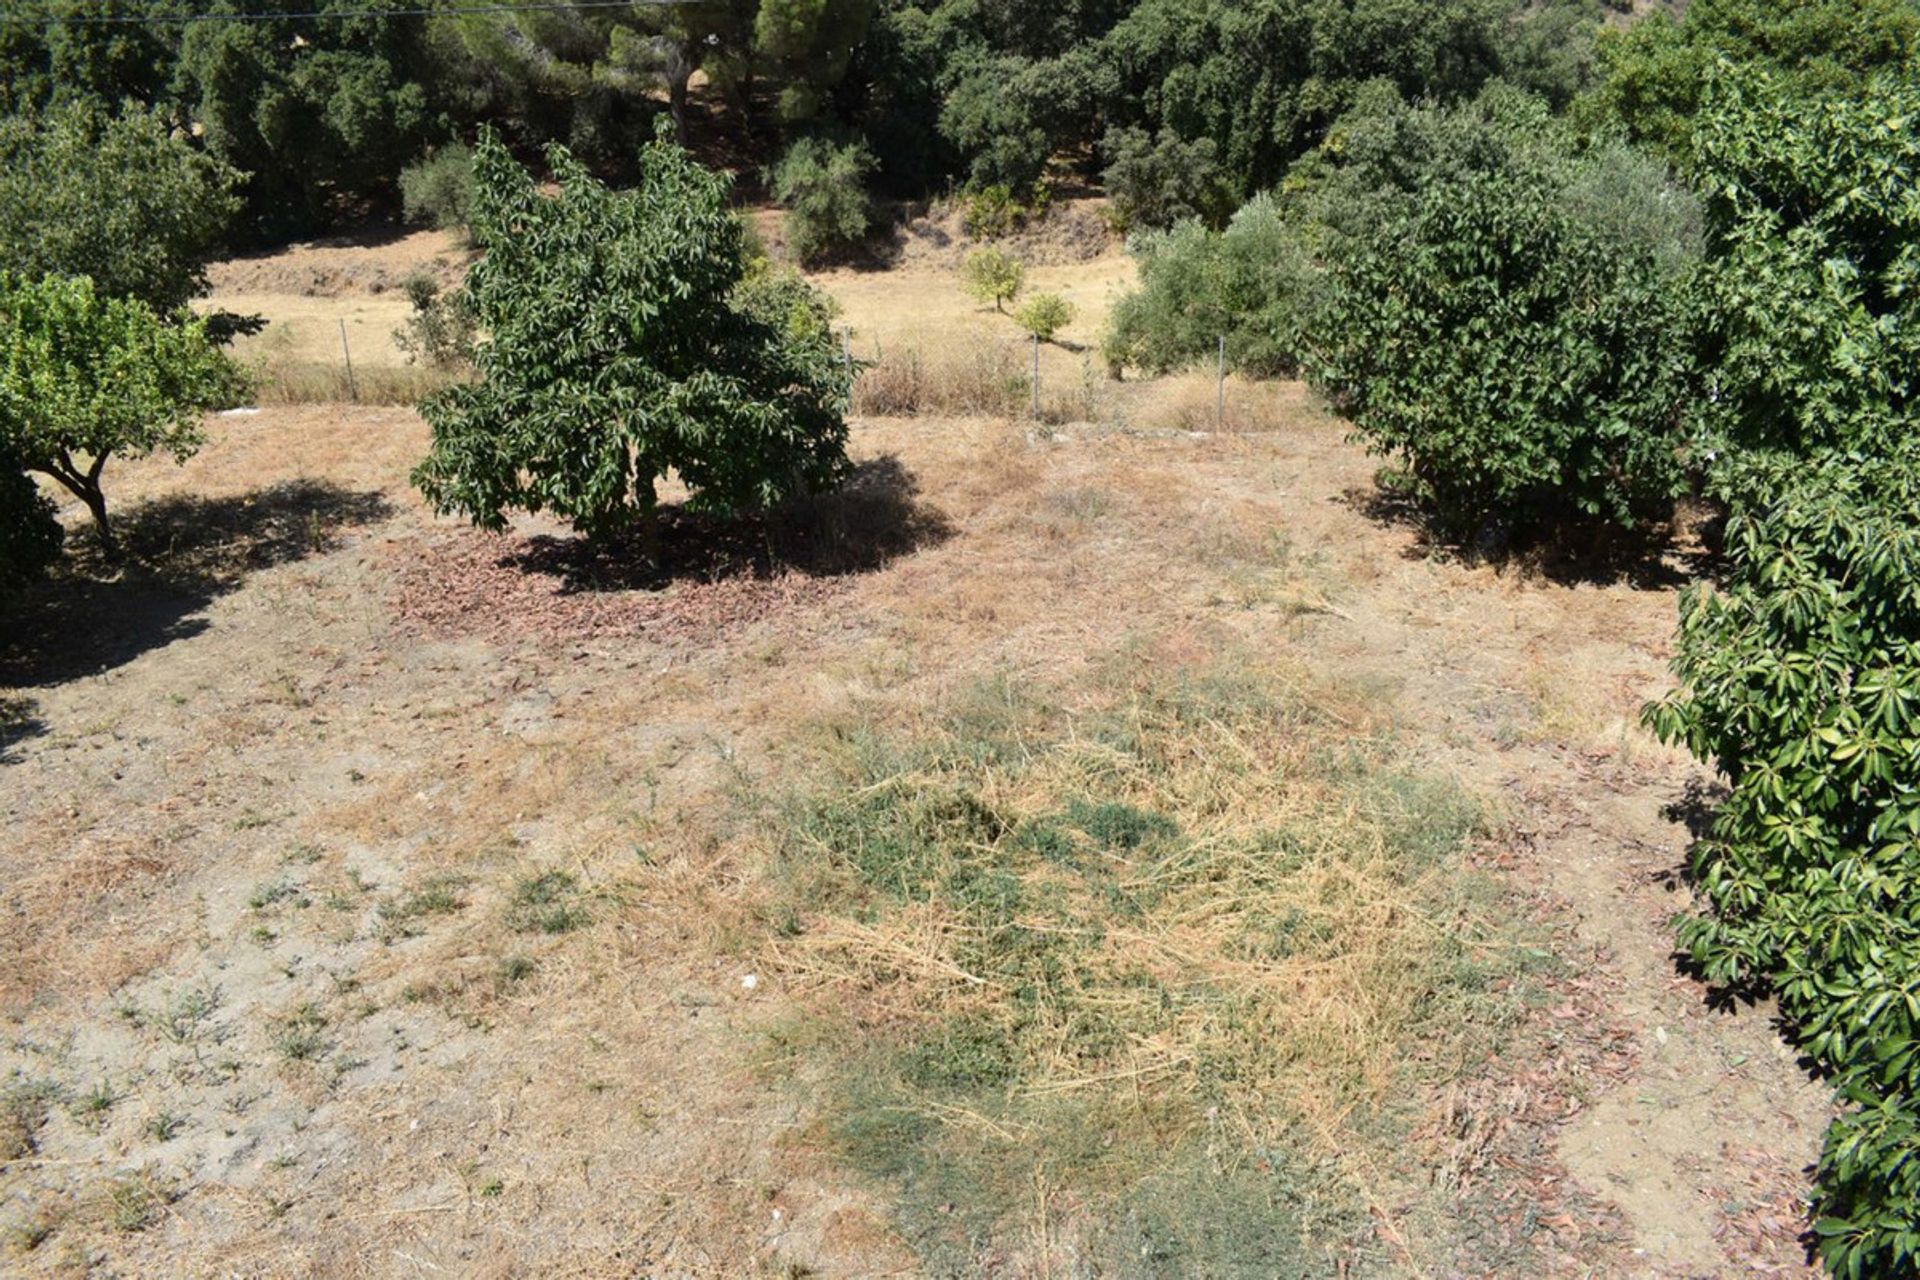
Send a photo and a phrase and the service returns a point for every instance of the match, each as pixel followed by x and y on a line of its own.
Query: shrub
pixel 1045 314
pixel 1255 284
pixel 616 350
pixel 993 275
pixel 438 189
pixel 86 378
pixel 1802 681
pixel 1156 182
pixel 1812 291
pixel 823 189
pixel 30 536
pixel 1523 367
pixel 440 332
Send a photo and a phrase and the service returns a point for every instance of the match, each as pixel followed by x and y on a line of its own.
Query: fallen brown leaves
pixel 473 584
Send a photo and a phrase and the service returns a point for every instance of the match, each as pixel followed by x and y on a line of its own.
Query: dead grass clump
pixel 986 379
pixel 305 382
pixel 1208 927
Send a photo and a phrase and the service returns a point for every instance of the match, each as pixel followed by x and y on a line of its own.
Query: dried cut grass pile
pixel 1190 951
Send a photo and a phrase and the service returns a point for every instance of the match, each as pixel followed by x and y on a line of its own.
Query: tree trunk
pixel 677 99
pixel 85 485
pixel 649 523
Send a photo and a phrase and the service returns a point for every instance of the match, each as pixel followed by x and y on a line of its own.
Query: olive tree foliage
pixel 822 186
pixel 85 378
pixel 124 198
pixel 623 342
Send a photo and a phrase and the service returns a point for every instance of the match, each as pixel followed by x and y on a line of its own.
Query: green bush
pixel 823 189
pixel 617 349
pixel 123 199
pixel 1802 681
pixel 1044 314
pixel 1256 284
pixel 30 536
pixel 1812 290
pixel 1523 366
pixel 438 189
pixel 1156 182
pixel 441 330
pixel 993 275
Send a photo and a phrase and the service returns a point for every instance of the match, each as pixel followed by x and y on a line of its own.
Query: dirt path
pixel 338 948
pixel 1532 690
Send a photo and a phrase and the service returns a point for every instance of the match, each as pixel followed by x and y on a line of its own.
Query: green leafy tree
pixel 620 347
pixel 1525 369
pixel 810 44
pixel 1156 183
pixel 1801 681
pixel 1655 74
pixel 438 189
pixel 1812 291
pixel 322 114
pixel 85 378
pixel 1044 315
pixel 121 198
pixel 823 189
pixel 993 275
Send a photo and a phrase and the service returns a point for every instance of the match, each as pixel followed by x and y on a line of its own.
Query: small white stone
pixel 750 981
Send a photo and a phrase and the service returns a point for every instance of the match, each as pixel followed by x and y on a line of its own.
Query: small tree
pixel 1045 314
pixel 993 275
pixel 438 189
pixel 85 378
pixel 823 189
pixel 619 348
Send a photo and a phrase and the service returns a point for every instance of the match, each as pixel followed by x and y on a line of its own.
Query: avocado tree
pixel 621 345
pixel 85 377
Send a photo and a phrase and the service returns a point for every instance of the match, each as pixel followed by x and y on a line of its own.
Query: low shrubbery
pixel 993 275
pixel 1524 369
pixel 1044 314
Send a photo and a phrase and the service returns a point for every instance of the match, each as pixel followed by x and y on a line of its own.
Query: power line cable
pixel 418 11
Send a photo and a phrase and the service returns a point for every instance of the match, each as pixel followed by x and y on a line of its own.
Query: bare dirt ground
pixel 377 902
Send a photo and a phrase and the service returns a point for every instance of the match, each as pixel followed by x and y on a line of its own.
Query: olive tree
pixel 85 377
pixel 621 345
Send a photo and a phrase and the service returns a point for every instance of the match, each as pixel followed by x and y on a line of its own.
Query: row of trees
pixel 1702 275
pixel 1185 106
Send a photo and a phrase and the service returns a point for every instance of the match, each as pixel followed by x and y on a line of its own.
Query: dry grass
pixel 1205 911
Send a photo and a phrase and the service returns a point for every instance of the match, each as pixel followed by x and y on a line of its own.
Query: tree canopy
pixel 625 341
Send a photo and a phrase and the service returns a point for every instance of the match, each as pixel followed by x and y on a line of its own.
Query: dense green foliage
pixel 1657 74
pixel 119 198
pixel 1044 315
pixel 1802 681
pixel 1812 292
pixel 30 536
pixel 438 189
pixel 85 378
pixel 1523 365
pixel 823 189
pixel 619 347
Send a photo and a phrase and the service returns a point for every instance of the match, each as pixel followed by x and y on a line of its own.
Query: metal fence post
pixel 1036 376
pixel 1220 389
pixel 353 388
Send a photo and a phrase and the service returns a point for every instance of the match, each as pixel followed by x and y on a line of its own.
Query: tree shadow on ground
pixel 873 519
pixel 1659 555
pixel 179 555
pixel 19 720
